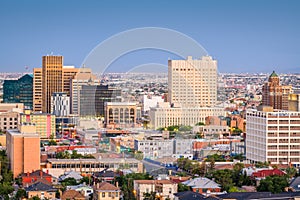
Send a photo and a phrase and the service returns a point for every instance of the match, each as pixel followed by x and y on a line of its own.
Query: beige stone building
pixel 164 189
pixel 122 114
pixel 193 82
pixel 294 102
pixel 163 115
pixel 9 120
pixel 23 149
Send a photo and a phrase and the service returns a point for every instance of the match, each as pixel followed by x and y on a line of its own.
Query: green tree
pixel 224 178
pixel 291 172
pixel 69 181
pixel 274 184
pixel 200 124
pixel 21 193
pixel 182 187
pixel 87 180
pixel 126 183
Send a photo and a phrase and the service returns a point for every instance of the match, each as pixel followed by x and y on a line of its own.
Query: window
pixel 103 194
pixel 109 194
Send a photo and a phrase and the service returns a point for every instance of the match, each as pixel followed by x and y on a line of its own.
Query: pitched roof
pixel 295 184
pixel 258 195
pixel 189 195
pixel 39 186
pixel 106 173
pixel 154 182
pixel 273 74
pixel 104 186
pixel 71 174
pixel 267 172
pixel 36 173
pixel 201 182
pixel 72 194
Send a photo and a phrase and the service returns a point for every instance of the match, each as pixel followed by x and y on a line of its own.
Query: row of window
pixel 95 165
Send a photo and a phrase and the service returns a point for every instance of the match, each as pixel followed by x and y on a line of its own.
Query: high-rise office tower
pixel 274 94
pixel 83 77
pixel 193 83
pixel 53 77
pixel 37 89
pixel 93 98
pixel 19 91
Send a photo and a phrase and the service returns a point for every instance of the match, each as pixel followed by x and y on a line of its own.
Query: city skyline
pixel 247 36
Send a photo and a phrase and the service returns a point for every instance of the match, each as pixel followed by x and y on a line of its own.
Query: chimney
pixel 117 184
pixel 41 174
pixel 27 174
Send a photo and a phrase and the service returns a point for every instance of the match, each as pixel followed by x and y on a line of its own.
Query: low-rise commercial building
pixel 164 115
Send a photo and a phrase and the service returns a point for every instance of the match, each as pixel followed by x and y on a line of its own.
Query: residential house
pixel 165 189
pixel 203 185
pixel 84 189
pixel 106 175
pixel 72 195
pixel 262 174
pixel 30 178
pixel 41 190
pixel 106 191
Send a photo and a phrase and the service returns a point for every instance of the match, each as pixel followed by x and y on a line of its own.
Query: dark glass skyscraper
pixel 92 99
pixel 19 91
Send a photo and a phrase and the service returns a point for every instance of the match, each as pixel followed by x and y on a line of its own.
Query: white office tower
pixel 273 136
pixel 192 94
pixel 193 83
pixel 60 104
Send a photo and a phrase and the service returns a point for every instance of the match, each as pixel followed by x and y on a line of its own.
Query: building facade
pixel 273 136
pixel 294 102
pixel 37 89
pixel 193 83
pixel 23 149
pixel 123 114
pixel 60 104
pixel 19 91
pixel 94 97
pixel 57 167
pixel 275 94
pixel 45 123
pixel 83 77
pixel 153 149
pixel 9 120
pixel 163 115
pixel 164 189
pixel 52 77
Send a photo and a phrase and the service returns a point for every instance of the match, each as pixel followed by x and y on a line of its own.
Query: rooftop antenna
pixel 83 66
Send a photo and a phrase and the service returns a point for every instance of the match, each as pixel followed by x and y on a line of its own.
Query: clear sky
pixel 243 35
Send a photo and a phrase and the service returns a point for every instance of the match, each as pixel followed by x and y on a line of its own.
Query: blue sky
pixel 244 36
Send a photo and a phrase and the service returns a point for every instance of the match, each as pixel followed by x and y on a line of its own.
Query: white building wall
pixel 273 136
pixel 60 104
pixel 168 116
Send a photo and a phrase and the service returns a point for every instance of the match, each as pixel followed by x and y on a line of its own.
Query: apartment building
pixel 273 136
